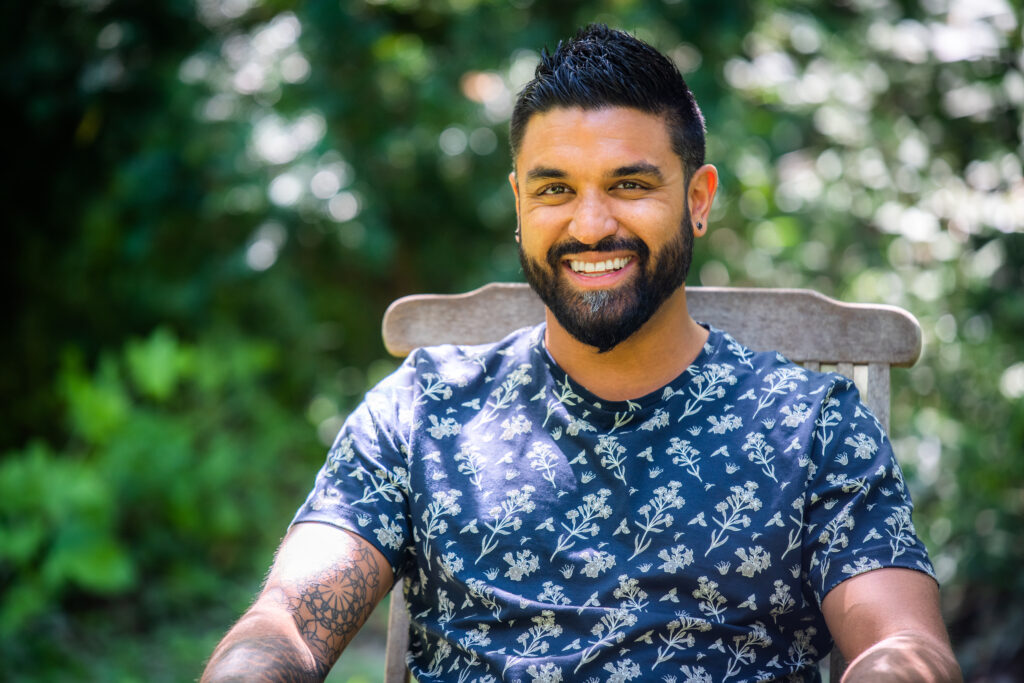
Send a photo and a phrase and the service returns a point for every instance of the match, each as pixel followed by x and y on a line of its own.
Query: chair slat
pixel 878 394
pixel 395 670
pixel 777 319
pixel 846 370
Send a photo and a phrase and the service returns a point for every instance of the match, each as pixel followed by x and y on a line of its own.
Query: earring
pixel 700 226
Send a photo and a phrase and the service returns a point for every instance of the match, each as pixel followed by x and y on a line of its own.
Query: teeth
pixel 600 267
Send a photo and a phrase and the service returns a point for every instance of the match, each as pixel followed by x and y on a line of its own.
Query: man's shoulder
pixel 461 362
pixel 764 366
pixel 451 377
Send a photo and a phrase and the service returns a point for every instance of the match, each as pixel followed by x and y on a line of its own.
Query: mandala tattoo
pixel 331 608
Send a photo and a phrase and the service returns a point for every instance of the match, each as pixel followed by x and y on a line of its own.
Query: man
pixel 621 493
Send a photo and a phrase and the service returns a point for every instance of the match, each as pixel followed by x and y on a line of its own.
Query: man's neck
pixel 649 359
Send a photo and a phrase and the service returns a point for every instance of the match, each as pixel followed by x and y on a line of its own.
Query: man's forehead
pixel 619 137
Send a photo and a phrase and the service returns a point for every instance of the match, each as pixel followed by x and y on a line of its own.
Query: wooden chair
pixel 859 341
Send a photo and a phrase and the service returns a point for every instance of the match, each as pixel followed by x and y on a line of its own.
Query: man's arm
pixel 887 624
pixel 322 587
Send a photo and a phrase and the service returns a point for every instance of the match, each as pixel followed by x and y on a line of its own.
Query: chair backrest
pixel 860 341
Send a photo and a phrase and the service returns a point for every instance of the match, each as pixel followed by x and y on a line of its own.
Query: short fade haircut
pixel 603 67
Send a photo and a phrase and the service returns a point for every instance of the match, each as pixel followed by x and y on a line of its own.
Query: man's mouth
pixel 595 268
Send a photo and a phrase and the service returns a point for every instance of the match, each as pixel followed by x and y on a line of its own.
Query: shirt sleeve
pixel 858 514
pixel 363 487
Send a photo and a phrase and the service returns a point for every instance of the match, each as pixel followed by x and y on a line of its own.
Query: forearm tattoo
pixel 263 660
pixel 331 607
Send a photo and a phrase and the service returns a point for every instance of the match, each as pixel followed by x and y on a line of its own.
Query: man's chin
pixel 604 306
pixel 599 318
pixel 602 338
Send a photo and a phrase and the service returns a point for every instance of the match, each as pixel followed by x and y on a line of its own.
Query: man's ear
pixel 701 194
pixel 515 192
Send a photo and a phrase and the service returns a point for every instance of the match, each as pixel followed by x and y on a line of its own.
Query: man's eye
pixel 553 189
pixel 629 185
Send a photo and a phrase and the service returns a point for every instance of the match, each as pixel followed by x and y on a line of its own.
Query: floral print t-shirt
pixel 545 534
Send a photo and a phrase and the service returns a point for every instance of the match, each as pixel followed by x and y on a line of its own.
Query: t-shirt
pixel 548 535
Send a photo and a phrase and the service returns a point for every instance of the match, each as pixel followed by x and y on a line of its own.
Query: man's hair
pixel 602 67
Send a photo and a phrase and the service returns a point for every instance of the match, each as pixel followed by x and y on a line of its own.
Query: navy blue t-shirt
pixel 548 535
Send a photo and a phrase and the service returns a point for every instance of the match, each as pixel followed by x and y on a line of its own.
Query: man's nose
pixel 592 220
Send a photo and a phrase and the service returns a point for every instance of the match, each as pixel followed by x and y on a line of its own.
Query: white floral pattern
pixel 547 535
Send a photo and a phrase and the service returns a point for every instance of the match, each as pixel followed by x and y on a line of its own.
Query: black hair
pixel 603 67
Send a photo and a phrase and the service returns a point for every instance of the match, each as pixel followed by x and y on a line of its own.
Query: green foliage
pixel 58 533
pixel 212 203
pixel 181 470
pixel 891 203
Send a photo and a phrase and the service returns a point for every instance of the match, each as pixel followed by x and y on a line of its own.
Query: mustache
pixel 611 243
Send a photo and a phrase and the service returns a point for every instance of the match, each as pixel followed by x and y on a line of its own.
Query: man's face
pixel 605 234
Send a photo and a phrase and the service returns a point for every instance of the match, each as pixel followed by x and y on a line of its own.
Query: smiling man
pixel 606 238
pixel 620 493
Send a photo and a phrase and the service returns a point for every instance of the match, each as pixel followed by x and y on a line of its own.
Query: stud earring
pixel 700 226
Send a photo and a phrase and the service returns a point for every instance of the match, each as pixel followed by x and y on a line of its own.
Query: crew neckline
pixel 592 404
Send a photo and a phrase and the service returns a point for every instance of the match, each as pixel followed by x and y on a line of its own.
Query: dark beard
pixel 605 318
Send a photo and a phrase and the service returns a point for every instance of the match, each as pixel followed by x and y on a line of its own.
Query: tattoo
pixel 323 598
pixel 262 660
pixel 333 606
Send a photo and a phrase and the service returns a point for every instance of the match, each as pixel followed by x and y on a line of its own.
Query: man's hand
pixel 887 624
pixel 322 587
pixel 904 658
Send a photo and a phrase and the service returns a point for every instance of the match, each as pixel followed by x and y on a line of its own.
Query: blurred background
pixel 209 204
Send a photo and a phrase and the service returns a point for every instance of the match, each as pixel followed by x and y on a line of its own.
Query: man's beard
pixel 607 317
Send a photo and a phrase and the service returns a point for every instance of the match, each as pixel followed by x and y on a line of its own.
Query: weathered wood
pixel 836 665
pixel 846 370
pixel 477 317
pixel 395 670
pixel 877 396
pixel 859 341
pixel 776 319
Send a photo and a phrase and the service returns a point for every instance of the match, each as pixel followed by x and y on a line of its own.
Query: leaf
pixel 97 405
pixel 155 363
pixel 93 562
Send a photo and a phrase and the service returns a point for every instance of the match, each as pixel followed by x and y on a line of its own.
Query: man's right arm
pixel 324 583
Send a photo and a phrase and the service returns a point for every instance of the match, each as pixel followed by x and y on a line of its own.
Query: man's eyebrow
pixel 639 168
pixel 545 173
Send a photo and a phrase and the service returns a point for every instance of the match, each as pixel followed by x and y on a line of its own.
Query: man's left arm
pixel 887 624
